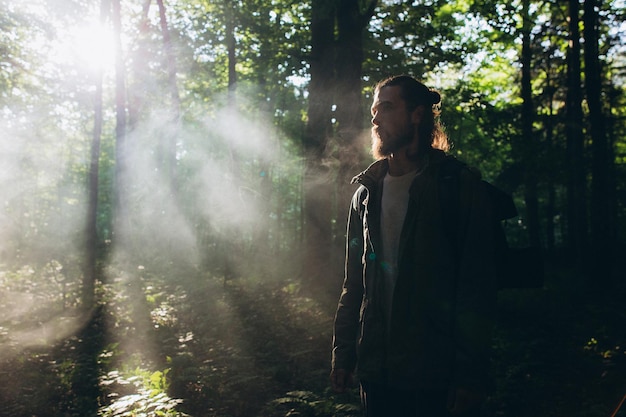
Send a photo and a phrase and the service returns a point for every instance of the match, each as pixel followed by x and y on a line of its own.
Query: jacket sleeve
pixel 475 287
pixel 346 325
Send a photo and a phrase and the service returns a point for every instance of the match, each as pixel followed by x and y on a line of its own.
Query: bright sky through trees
pixel 89 44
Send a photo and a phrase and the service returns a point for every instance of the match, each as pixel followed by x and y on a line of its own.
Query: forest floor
pixel 245 349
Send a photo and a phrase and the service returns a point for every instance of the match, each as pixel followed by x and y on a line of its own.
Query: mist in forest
pixel 215 187
pixel 197 220
pixel 200 225
pixel 229 205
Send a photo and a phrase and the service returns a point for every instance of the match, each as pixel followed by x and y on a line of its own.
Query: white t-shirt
pixel 395 200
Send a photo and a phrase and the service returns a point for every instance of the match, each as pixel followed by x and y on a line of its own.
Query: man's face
pixel 392 125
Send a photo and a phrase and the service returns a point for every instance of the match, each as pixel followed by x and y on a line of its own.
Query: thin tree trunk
pixel 575 143
pixel 231 44
pixel 614 94
pixel 120 126
pixel 91 229
pixel 529 146
pixel 136 92
pixel 84 379
pixel 551 178
pixel 90 273
pixel 232 243
pixel 601 194
pixel 171 138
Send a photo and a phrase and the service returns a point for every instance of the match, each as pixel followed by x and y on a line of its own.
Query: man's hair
pixel 414 94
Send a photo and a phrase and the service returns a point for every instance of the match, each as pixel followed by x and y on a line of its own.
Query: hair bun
pixel 435 97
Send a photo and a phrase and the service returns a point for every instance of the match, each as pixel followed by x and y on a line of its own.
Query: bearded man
pixel 415 314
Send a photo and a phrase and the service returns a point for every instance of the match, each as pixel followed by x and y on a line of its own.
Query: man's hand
pixel 463 399
pixel 340 380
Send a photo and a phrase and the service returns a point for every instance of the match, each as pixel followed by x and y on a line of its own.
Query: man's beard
pixel 384 148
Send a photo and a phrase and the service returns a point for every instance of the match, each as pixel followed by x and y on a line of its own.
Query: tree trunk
pixel 551 177
pixel 231 241
pixel 319 127
pixel 84 379
pixel 614 93
pixel 601 194
pixel 136 91
pixel 575 143
pixel 91 229
pixel 231 43
pixel 171 138
pixel 90 272
pixel 121 188
pixel 529 146
pixel 351 25
pixel 318 186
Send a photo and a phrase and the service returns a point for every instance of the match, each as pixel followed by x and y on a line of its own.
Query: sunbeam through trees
pixel 175 180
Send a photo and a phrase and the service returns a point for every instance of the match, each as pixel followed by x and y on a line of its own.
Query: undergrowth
pixel 203 346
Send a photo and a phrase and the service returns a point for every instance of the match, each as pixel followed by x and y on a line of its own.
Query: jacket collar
pixel 374 173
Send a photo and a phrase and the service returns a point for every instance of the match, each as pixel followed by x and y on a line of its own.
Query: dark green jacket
pixel 443 304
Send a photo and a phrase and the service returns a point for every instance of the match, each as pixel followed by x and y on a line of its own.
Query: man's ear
pixel 416 115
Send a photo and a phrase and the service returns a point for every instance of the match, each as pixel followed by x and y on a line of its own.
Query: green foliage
pixel 543 352
pixel 310 404
pixel 37 297
pixel 415 39
pixel 149 399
